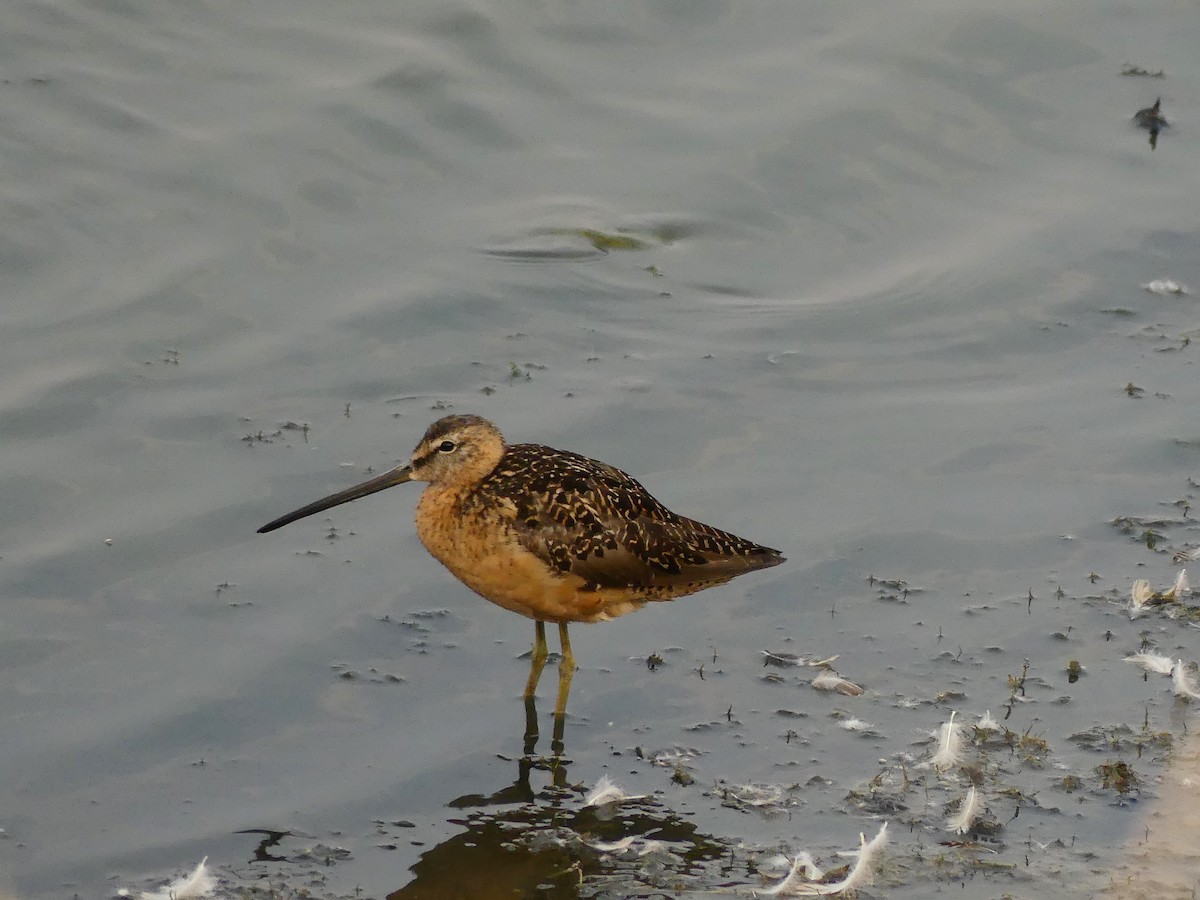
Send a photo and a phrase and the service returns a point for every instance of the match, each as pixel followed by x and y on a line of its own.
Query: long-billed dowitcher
pixel 550 534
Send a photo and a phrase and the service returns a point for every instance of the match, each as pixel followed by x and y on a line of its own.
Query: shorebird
pixel 550 534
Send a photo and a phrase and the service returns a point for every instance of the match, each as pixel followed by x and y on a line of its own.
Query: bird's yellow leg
pixel 531 730
pixel 566 670
pixel 538 659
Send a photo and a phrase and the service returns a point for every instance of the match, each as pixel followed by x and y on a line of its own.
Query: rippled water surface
pixel 858 280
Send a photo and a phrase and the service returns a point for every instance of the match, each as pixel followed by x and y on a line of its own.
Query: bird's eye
pixel 447 446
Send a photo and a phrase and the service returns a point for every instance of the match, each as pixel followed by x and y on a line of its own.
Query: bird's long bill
pixel 395 476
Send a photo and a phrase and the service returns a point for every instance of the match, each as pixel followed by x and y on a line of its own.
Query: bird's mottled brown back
pixel 586 518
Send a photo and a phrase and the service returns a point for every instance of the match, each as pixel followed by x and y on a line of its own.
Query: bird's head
pixel 454 450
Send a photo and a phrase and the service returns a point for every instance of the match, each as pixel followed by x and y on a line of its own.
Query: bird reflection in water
pixel 549 850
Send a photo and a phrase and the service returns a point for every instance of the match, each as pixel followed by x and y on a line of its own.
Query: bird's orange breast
pixel 479 547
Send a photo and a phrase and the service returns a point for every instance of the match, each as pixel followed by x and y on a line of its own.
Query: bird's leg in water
pixel 538 659
pixel 531 728
pixel 566 670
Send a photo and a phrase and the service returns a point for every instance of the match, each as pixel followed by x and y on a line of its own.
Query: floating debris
pixel 604 241
pixel 774 866
pixel 1151 118
pixel 675 758
pixel 1186 554
pixel 1151 662
pixel 787 660
pixel 669 757
pixel 829 680
pixel 1074 671
pixel 1166 286
pixel 635 845
pixel 1117 775
pixel 1141 593
pixel 761 797
pixel 1182 683
pixel 607 793
pixel 1131 71
pixel 614 846
pixel 862 875
pixel 198 884
pixel 780 660
pixel 682 776
pixel 950 746
pixel 1179 589
pixel 803 868
pixel 968 812
pixel 987 732
pixel 858 725
pixel 1140 596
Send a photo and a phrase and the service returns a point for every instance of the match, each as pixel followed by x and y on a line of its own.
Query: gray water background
pixel 885 309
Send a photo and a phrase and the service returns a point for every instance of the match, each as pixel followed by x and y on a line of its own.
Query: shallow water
pixel 855 281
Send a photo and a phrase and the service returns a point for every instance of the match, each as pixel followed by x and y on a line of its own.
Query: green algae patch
pixel 606 241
